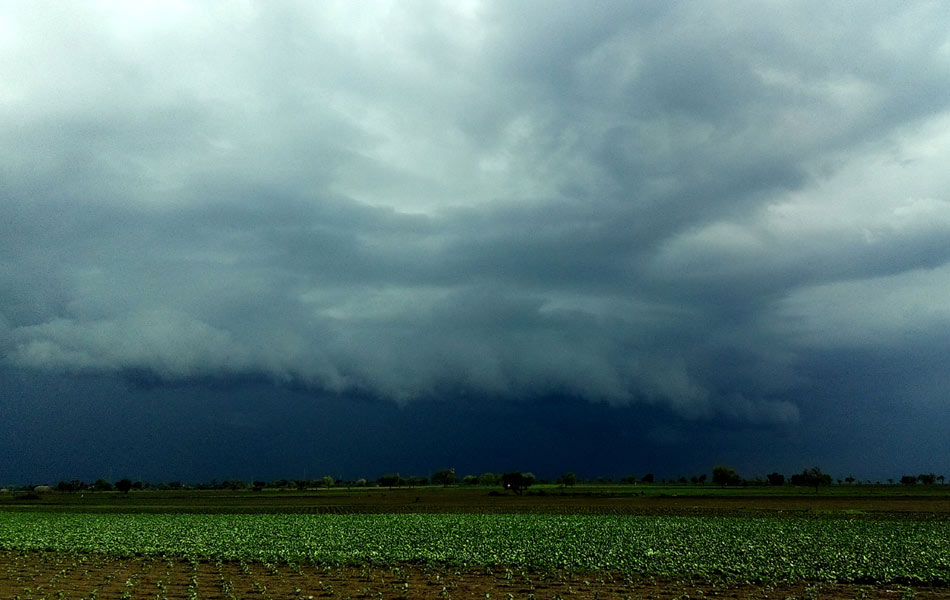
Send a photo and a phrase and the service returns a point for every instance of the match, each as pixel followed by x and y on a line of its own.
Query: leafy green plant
pixel 734 548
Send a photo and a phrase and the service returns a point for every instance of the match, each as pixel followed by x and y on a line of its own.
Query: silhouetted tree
pixel 445 477
pixel 648 478
pixel 908 479
pixel 517 481
pixel 567 479
pixel 123 485
pixel 927 478
pixel 723 476
pixel 776 479
pixel 489 478
pixel 812 477
pixel 390 480
pixel 101 485
pixel 71 486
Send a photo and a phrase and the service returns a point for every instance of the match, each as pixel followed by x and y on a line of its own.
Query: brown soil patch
pixel 36 576
pixel 872 502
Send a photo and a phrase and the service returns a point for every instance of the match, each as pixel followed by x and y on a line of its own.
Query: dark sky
pixel 286 239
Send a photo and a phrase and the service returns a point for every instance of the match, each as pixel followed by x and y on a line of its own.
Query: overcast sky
pixel 693 232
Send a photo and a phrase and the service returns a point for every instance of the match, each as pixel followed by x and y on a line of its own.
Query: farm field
pixel 465 543
pixel 52 575
pixel 615 552
pixel 922 501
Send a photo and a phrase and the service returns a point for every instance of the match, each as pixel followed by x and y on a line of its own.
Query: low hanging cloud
pixel 625 203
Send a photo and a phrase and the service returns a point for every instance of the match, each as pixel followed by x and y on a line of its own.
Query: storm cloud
pixel 699 208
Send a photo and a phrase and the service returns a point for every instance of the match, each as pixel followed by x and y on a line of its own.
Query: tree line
pixel 516 481
pixel 813 477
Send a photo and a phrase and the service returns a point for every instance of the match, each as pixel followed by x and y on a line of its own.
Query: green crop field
pixel 748 549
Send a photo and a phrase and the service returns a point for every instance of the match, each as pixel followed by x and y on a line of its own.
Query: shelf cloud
pixel 677 206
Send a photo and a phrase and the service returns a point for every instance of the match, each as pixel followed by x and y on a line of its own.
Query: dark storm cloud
pixel 668 205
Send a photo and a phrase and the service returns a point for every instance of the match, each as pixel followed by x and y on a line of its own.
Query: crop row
pixel 757 549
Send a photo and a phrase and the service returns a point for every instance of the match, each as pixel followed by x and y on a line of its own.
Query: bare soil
pixel 873 503
pixel 48 576
pixel 37 576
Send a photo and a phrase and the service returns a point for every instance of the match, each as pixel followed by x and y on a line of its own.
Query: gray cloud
pixel 633 203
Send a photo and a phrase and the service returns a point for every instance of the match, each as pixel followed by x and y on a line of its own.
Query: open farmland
pixel 214 555
pixel 67 576
pixel 604 542
pixel 878 501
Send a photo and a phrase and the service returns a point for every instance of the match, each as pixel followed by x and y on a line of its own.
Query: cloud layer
pixel 675 204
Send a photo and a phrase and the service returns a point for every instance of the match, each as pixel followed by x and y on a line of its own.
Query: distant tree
pixel 139 485
pixel 775 479
pixel 812 477
pixel 123 485
pixel 327 481
pixel 568 479
pixel 470 480
pixel 927 478
pixel 648 478
pixel 908 479
pixel 361 482
pixel 71 486
pixel 723 476
pixel 416 481
pixel 940 478
pixel 849 479
pixel 489 478
pixel 445 477
pixel 101 485
pixel 517 481
pixel 258 485
pixel 390 480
